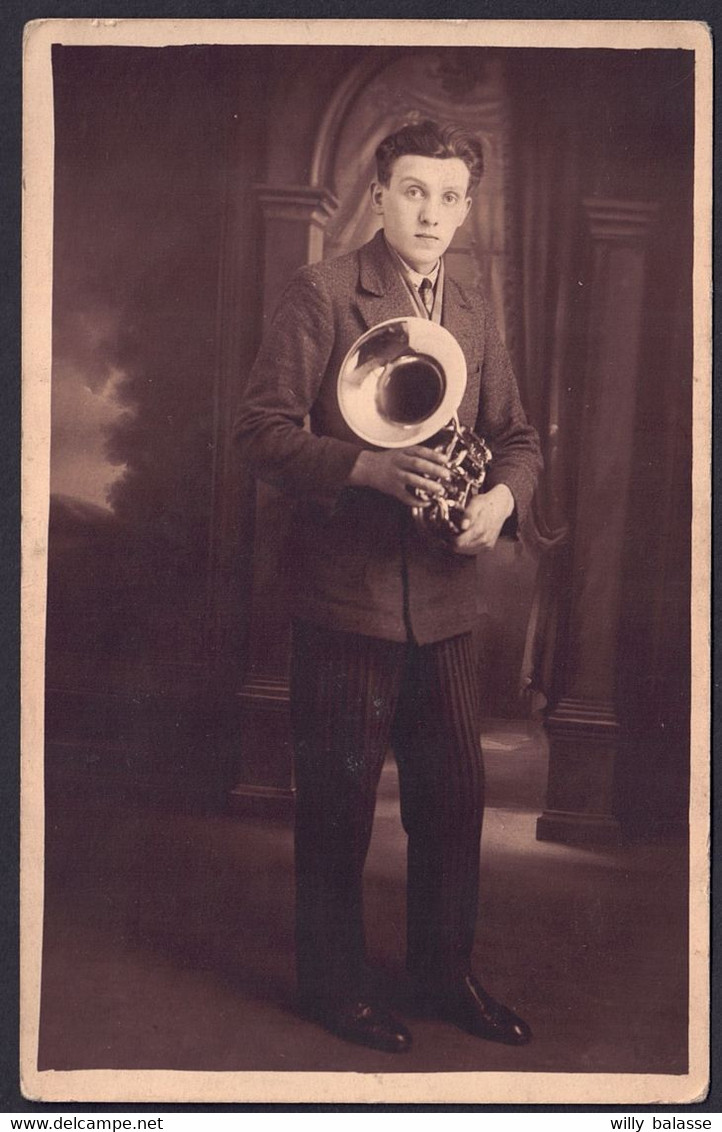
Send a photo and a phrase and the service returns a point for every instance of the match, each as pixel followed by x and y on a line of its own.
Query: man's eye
pixel 413 191
pixel 450 198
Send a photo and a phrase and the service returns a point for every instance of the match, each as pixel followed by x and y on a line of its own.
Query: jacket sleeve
pixel 516 456
pixel 282 387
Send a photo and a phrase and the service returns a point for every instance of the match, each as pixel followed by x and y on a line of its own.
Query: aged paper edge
pixel 150 1087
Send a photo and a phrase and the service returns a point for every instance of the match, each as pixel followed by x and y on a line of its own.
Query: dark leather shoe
pixel 363 1023
pixel 468 1006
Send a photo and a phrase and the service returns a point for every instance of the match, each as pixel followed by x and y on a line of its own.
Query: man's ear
pixel 467 202
pixel 377 197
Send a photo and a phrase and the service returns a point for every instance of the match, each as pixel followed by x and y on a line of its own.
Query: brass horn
pixel 400 384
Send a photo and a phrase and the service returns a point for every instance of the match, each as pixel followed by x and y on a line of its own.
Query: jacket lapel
pixel 381 293
pixel 460 319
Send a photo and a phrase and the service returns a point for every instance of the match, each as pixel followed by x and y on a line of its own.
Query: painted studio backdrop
pixel 190 183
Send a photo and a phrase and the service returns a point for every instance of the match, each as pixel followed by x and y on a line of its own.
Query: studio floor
pixel 168 941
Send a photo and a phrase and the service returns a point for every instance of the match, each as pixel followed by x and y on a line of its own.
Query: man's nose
pixel 430 211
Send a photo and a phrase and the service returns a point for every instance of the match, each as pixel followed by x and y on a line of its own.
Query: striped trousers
pixel 352 697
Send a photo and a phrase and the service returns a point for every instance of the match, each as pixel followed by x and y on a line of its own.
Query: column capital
pixel 620 221
pixel 297 202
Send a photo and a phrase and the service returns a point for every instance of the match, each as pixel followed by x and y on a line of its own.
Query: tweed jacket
pixel 355 559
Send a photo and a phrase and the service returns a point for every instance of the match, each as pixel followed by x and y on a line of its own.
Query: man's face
pixel 424 203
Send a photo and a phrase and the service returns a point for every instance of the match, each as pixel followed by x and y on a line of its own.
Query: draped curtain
pixel 548 321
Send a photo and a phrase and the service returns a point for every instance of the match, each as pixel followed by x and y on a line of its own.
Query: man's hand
pixel 396 470
pixel 484 518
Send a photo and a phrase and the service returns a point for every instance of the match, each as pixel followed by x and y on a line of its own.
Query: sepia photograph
pixel 366 478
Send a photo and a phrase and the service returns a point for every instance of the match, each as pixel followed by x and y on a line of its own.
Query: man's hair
pixel 429 139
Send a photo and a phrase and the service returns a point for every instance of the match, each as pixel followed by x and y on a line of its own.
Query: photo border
pixel 152 1086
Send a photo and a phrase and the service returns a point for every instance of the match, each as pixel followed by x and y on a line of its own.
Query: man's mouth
pixel 425 236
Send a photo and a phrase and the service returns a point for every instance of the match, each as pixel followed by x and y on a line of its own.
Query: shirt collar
pixel 415 277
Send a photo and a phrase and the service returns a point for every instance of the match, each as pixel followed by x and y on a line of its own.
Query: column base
pixel 267 802
pixel 578 829
pixel 264 751
pixel 583 749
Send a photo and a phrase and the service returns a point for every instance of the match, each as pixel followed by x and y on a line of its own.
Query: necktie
pixel 426 290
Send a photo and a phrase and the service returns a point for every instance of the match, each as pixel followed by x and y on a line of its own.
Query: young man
pixel 383 652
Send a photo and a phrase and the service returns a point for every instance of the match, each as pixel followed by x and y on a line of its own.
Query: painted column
pixel 294 221
pixel 583 729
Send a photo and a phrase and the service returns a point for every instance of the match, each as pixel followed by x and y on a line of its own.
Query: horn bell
pixel 401 382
